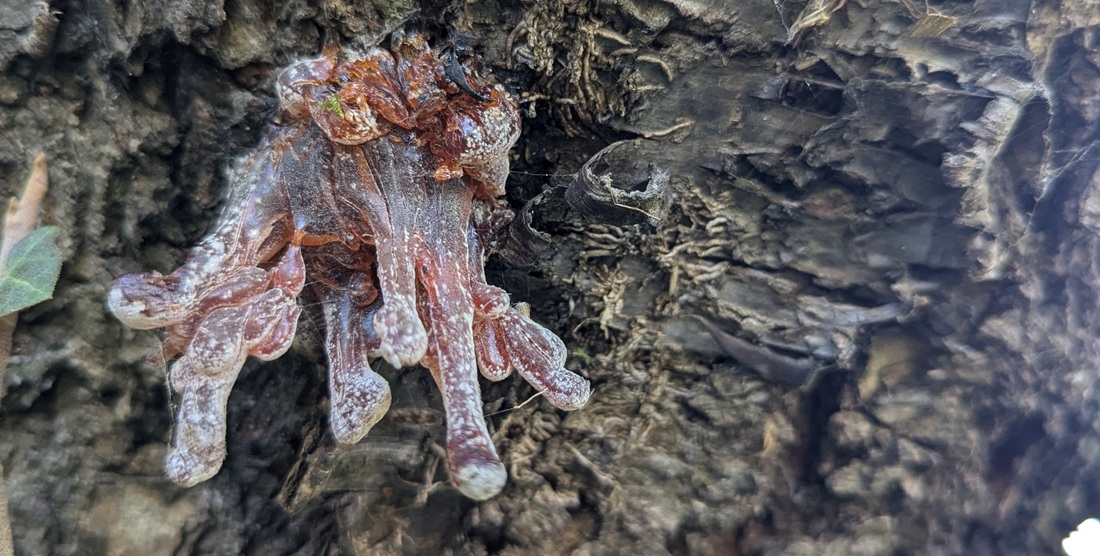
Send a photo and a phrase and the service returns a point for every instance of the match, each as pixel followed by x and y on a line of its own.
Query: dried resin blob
pixel 376 189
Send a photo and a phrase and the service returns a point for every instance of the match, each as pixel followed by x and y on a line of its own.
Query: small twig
pixel 22 213
pixel 680 124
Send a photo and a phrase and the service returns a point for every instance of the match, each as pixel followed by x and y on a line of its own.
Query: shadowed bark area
pixel 830 267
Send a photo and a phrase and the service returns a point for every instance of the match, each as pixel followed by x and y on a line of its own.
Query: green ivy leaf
pixel 31 271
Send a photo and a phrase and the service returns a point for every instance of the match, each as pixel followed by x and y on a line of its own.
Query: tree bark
pixel 830 267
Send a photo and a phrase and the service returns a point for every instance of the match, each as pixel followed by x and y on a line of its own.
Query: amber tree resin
pixel 375 189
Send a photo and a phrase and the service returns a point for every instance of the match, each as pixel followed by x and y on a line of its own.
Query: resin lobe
pixel 373 189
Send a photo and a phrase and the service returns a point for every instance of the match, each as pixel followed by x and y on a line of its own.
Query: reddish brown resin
pixel 375 189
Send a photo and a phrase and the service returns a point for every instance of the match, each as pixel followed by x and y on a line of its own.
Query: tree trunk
pixel 830 267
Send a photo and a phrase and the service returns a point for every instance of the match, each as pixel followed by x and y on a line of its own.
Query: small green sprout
pixel 332 104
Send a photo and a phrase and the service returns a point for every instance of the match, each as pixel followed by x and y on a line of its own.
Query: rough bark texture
pixel 836 290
